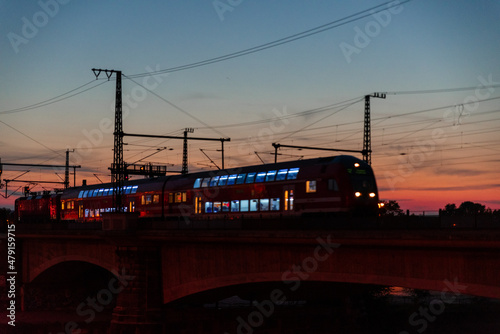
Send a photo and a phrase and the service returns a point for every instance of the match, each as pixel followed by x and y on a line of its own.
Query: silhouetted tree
pixel 450 209
pixel 471 209
pixel 391 208
pixel 467 208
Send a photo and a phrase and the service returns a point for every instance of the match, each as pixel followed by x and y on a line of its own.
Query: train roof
pixel 149 182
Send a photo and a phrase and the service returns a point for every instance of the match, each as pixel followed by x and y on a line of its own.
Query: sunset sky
pixel 435 138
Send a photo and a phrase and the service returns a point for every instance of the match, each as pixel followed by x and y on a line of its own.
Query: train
pixel 329 186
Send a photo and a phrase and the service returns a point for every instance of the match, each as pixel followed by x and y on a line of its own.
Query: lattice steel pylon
pixel 118 166
pixel 367 141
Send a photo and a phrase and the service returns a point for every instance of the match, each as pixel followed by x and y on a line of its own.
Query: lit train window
pixel 156 199
pixel 275 204
pixel 217 207
pixel 148 199
pixel 260 177
pixel 184 197
pixel 311 186
pixel 206 182
pixel 254 205
pixel 85 193
pixel 292 173
pixel 222 180
pixel 80 194
pixel 100 192
pixel 235 206
pixel 134 190
pixel 270 175
pixel 225 206
pixel 250 178
pixel 232 179
pixel 105 192
pixel 264 204
pixel 197 183
pixel 208 207
pixel 214 181
pixel 244 205
pixel 240 179
pixel 127 190
pixel 178 197
pixel 281 174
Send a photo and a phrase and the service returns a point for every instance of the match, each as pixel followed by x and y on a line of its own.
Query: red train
pixel 320 186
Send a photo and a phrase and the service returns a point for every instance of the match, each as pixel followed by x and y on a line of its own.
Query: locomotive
pixel 330 186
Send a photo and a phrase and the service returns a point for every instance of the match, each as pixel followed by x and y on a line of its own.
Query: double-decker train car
pixel 322 186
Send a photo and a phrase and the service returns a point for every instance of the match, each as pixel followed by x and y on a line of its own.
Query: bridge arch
pixel 38 270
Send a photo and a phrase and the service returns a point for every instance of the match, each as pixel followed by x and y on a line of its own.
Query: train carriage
pixel 321 186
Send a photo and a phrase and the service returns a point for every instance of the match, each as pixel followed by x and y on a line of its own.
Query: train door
pixel 131 205
pixel 288 198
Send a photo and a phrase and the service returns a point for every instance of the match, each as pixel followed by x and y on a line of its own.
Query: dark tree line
pixel 468 208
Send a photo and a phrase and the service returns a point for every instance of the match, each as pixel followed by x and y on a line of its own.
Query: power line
pixel 53 100
pixel 328 26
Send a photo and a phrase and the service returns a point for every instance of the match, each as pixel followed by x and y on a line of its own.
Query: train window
pixel 235 206
pixel 206 182
pixel 292 173
pixel 184 197
pixel 264 204
pixel 240 179
pixel 254 205
pixel 178 197
pixel 214 181
pixel 311 186
pixel 260 177
pixel 208 207
pixel 250 178
pixel 170 197
pixel 222 180
pixel 281 174
pixel 225 206
pixel 332 185
pixel 197 204
pixel 217 207
pixel 101 191
pixel 156 199
pixel 127 191
pixel 244 205
pixel 291 199
pixel 105 192
pixel 148 199
pixel 62 205
pixel 110 192
pixel 197 183
pixel 231 179
pixel 80 194
pixel 134 190
pixel 275 204
pixel 85 193
pixel 270 175
pixel 86 213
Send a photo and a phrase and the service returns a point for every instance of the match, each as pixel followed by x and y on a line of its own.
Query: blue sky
pixel 422 45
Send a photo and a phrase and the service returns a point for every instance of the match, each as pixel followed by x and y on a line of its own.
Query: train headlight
pixel 357 194
pixel 356 164
pixel 372 195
